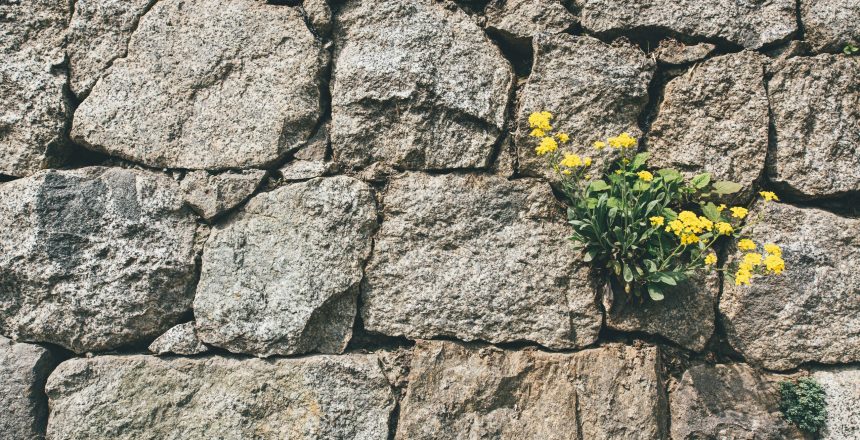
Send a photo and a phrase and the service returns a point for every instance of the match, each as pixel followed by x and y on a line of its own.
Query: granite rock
pixel 24 368
pixel 181 339
pixel 842 389
pixel 517 21
pixel 829 25
pixel 211 195
pixel 672 52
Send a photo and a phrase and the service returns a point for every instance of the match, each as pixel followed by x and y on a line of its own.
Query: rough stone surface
pixel 181 339
pixel 519 20
pixel 830 24
pixel 94 258
pixel 416 84
pixel 811 311
pixel 594 90
pixel 674 53
pixel 204 86
pixel 714 119
pixel 319 15
pixel 211 195
pixel 728 401
pixel 816 115
pixel 842 387
pixel 686 316
pixel 145 397
pixel 750 24
pixel 477 258
pixel 34 112
pixel 474 391
pixel 24 368
pixel 311 161
pixel 282 276
pixel 98 34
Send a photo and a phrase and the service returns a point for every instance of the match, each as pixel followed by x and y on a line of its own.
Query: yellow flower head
pixel 587 161
pixel 743 276
pixel 768 196
pixel 746 245
pixel 600 145
pixel 657 220
pixel 711 259
pixel 645 176
pixel 689 239
pixel 623 140
pixel 547 145
pixel 540 120
pixel 752 259
pixel 773 249
pixel 721 207
pixel 724 228
pixel 676 226
pixel 571 161
pixel 538 133
pixel 563 137
pixel 566 172
pixel 738 212
pixel 774 263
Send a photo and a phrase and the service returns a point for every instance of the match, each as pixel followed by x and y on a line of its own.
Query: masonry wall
pixel 238 219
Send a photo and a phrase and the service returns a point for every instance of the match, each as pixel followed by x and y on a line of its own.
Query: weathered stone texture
pixel 816 116
pixel 145 397
pixel 830 24
pixel 517 21
pixel 594 90
pixel 24 368
pixel 477 258
pixel 473 391
pixel 211 195
pixel 842 388
pixel 674 53
pixel 34 112
pixel 282 276
pixel 714 119
pixel 181 339
pixel 226 84
pixel 731 401
pixel 311 161
pixel 750 24
pixel 94 258
pixel 416 84
pixel 811 311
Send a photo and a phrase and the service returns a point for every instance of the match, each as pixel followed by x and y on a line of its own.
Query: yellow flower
pixel 752 259
pixel 566 172
pixel 538 133
pixel 773 249
pixel 738 212
pixel 657 220
pixel 676 226
pixel 768 196
pixel 705 223
pixel 563 137
pixel 540 120
pixel 623 140
pixel 724 228
pixel 600 145
pixel 571 161
pixel 743 276
pixel 587 161
pixel 689 239
pixel 774 263
pixel 645 176
pixel 721 207
pixel 746 245
pixel 711 259
pixel 547 145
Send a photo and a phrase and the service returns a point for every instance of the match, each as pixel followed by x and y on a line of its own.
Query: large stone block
pixel 842 389
pixel 24 368
pixel 95 258
pixel 211 195
pixel 517 21
pixel 829 25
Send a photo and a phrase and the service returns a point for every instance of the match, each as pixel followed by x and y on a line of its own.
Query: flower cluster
pixel 565 162
pixel 756 263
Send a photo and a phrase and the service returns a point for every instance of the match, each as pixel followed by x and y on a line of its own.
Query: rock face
pixel 275 282
pixel 748 24
pixel 594 90
pixel 203 86
pixel 842 387
pixel 816 114
pixel 473 391
pixel 211 195
pixel 98 34
pixel 34 112
pixel 416 84
pixel 181 339
pixel 24 368
pixel 806 313
pixel 518 21
pixel 830 24
pixel 674 53
pixel 685 316
pixel 94 258
pixel 714 119
pixel 341 397
pixel 728 401
pixel 477 257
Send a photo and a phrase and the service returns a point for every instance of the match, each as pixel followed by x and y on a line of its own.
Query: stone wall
pixel 237 219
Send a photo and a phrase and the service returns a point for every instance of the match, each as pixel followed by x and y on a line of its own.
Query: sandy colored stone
pixel 211 195
pixel 24 368
pixel 842 388
pixel 517 21
pixel 829 25
pixel 674 53
pixel 181 339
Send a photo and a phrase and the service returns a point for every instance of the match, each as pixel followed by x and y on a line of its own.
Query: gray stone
pixel 211 195
pixel 24 368
pixel 282 276
pixel 204 85
pixel 98 34
pixel 95 258
pixel 594 90
pixel 842 388
pixel 829 25
pixel 809 313
pixel 714 119
pixel 816 116
pixel 482 392
pixel 145 397
pixel 477 257
pixel 519 20
pixel 729 401
pixel 416 84
pixel 34 113
pixel 674 53
pixel 181 339
pixel 319 15
pixel 311 161
pixel 749 24
pixel 685 316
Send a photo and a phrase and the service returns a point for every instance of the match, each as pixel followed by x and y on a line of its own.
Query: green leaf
pixel 598 185
pixel 666 278
pixel 628 274
pixel 724 187
pixel 613 202
pixel 641 185
pixel 711 212
pixel 701 180
pixel 655 292
pixel 669 175
pixel 638 161
pixel 591 203
pixel 669 214
pixel 589 255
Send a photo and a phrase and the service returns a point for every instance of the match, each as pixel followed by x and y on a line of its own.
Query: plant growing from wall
pixel 803 403
pixel 850 49
pixel 648 230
